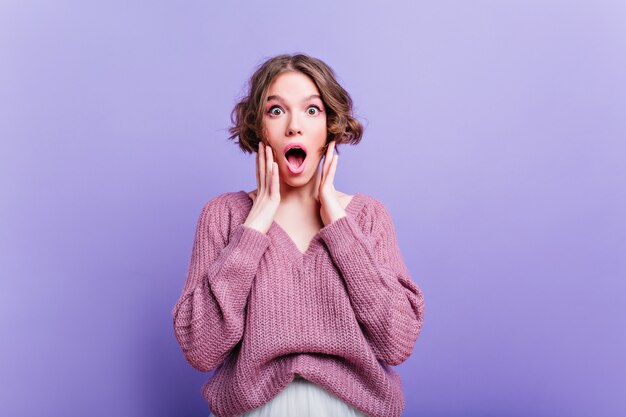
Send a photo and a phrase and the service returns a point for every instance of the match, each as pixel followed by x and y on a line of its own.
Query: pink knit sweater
pixel 258 310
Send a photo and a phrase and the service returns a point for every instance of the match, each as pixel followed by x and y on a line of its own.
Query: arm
pixel 386 302
pixel 209 315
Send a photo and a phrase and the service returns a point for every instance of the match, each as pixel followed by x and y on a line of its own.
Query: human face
pixel 294 113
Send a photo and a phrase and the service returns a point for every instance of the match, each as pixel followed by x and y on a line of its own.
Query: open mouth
pixel 295 157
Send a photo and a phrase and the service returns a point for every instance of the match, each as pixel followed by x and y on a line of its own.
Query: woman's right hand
pixel 267 198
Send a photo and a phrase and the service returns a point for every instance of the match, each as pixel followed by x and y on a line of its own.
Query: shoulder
pixel 369 212
pixel 229 200
pixel 219 210
pixel 376 212
pixel 362 201
pixel 368 202
pixel 218 204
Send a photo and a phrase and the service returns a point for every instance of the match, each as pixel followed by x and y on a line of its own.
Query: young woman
pixel 297 294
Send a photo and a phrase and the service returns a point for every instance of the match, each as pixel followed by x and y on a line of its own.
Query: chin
pixel 296 179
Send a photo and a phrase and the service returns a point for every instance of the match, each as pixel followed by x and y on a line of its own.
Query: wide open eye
pixel 272 112
pixel 314 113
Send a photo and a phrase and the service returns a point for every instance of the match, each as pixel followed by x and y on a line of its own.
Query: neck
pixel 302 195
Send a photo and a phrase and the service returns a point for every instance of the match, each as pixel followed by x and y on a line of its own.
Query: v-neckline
pixel 288 244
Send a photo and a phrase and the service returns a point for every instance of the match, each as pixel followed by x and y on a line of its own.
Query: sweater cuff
pixel 236 273
pixel 249 241
pixel 341 234
pixel 351 250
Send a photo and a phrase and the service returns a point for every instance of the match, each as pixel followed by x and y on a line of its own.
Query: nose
pixel 294 131
pixel 293 128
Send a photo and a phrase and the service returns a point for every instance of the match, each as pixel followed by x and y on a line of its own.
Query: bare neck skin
pixel 304 195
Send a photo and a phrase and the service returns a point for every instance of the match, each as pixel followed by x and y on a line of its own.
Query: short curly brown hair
pixel 247 116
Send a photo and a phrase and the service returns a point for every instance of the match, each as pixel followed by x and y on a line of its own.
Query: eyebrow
pixel 282 100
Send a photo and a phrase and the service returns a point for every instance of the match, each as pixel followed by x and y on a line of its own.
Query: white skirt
pixel 303 398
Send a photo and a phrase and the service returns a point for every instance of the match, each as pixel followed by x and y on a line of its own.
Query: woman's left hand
pixel 330 207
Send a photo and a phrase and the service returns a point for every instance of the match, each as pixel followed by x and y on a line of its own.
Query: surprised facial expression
pixel 294 117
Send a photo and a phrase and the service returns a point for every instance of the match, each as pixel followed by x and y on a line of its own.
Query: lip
pixel 300 169
pixel 293 145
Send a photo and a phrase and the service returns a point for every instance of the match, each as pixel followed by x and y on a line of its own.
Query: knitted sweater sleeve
pixel 388 305
pixel 209 316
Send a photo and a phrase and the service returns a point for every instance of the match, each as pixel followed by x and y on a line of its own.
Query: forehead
pixel 292 86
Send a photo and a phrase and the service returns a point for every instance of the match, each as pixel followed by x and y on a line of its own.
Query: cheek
pixel 319 128
pixel 321 137
pixel 272 130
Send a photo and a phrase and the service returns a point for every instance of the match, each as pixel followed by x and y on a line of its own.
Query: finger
pixel 327 160
pixel 333 169
pixel 269 163
pixel 261 169
pixel 275 182
pixel 258 157
pixel 318 178
pixel 324 164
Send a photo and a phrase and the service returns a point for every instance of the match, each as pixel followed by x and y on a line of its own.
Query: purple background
pixel 495 135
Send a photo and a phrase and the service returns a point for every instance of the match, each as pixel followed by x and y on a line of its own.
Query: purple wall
pixel 495 136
